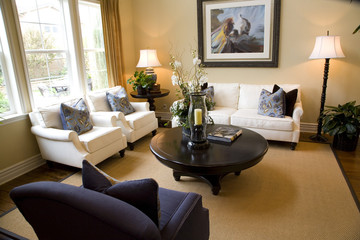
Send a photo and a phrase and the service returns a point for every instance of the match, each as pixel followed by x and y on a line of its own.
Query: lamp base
pixel 318 138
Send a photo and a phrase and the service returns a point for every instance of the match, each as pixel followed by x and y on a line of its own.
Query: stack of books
pixel 224 134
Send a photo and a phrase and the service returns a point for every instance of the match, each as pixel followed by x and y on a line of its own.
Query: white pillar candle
pixel 198 116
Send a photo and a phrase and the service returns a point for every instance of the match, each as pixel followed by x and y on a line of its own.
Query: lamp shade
pixel 327 47
pixel 148 58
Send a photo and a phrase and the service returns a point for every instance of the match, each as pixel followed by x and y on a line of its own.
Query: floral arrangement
pixel 193 80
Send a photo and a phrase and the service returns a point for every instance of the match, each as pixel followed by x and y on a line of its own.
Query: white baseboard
pixel 20 168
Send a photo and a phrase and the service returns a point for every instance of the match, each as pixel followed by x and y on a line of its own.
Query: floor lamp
pixel 326 47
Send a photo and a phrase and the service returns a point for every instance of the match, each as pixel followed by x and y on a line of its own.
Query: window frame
pixel 10 70
pixel 75 51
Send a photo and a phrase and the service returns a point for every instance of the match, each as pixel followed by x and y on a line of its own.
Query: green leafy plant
pixel 141 79
pixel 343 119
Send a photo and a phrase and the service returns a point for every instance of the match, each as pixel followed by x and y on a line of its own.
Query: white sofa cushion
pixel 222 115
pixel 226 94
pixel 99 137
pixel 249 118
pixel 99 102
pixel 250 93
pixel 138 120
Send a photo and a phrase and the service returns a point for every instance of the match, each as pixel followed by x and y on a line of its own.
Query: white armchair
pixel 134 125
pixel 69 148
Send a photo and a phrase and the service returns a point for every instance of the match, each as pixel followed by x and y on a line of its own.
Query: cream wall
pixel 171 26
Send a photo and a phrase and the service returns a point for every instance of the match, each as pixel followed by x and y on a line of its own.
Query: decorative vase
pixel 141 90
pixel 342 142
pixel 198 117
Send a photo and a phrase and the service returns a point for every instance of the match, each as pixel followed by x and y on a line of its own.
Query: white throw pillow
pixel 51 116
pixel 99 102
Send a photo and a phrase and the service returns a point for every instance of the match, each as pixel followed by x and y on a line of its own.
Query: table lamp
pixel 326 47
pixel 148 59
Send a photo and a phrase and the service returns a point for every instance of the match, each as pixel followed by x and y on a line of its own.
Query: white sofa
pixel 134 125
pixel 237 104
pixel 69 148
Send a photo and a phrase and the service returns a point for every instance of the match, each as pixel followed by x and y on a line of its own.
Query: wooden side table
pixel 150 96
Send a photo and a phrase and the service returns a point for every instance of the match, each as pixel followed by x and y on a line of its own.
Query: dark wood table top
pixel 170 148
pixel 162 93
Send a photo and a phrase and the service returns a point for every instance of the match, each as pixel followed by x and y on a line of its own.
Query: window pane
pixel 44 39
pixel 8 93
pixel 93 42
pixel 4 100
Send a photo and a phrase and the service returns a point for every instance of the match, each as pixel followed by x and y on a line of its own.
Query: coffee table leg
pixel 214 182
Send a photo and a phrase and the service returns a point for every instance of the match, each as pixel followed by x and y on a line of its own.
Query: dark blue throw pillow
pixel 76 117
pixel 142 194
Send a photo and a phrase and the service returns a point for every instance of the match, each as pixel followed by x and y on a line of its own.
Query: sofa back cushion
pixel 226 94
pixel 250 93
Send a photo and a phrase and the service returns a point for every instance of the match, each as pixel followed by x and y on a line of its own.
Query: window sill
pixel 12 118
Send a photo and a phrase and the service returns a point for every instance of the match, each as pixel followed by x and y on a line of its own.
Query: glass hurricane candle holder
pixel 198 120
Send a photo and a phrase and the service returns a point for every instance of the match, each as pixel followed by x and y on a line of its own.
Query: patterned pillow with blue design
pixel 272 104
pixel 76 117
pixel 120 102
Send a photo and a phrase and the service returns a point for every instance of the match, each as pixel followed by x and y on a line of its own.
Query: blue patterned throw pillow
pixel 76 117
pixel 119 102
pixel 272 104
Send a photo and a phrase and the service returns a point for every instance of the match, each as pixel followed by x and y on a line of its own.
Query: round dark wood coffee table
pixel 212 164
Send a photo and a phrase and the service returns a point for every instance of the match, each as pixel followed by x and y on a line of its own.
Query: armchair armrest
pixel 297 113
pixel 141 106
pixel 189 221
pixel 55 134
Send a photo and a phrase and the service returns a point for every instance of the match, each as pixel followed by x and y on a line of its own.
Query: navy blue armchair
pixel 60 211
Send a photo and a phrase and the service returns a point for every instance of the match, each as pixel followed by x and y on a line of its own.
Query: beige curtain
pixel 112 39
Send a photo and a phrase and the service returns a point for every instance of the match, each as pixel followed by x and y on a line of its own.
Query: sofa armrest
pixel 297 113
pixel 55 134
pixel 141 106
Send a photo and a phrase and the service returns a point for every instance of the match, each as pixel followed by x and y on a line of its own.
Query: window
pixel 93 43
pixel 53 64
pixel 46 52
pixel 9 102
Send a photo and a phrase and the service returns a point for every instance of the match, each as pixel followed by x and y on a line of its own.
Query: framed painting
pixel 238 33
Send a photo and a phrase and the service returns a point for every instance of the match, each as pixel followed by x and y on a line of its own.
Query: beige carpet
pixel 299 194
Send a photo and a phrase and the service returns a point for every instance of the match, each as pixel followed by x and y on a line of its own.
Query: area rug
pixel 299 194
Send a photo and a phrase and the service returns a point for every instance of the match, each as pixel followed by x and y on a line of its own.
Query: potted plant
pixel 141 82
pixel 343 122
